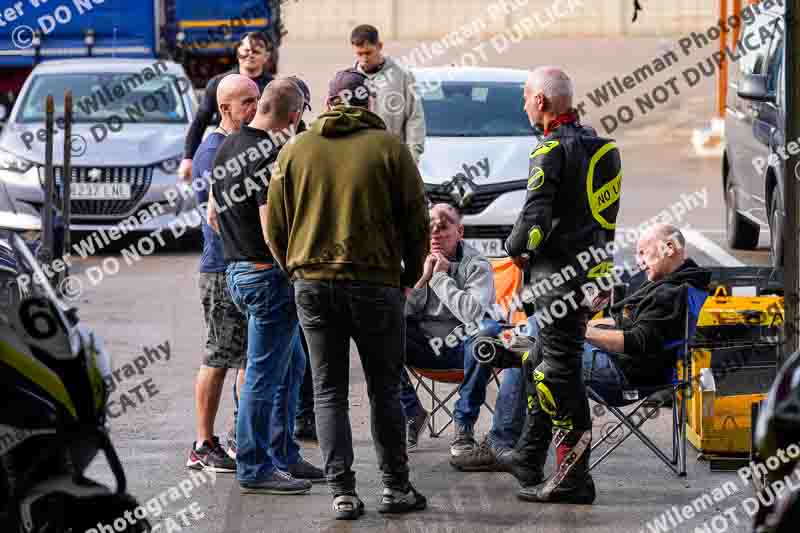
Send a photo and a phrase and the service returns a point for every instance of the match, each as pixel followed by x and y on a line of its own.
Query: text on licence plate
pixel 100 191
pixel 488 247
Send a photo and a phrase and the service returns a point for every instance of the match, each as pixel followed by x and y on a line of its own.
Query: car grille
pixel 484 195
pixel 139 178
pixel 487 232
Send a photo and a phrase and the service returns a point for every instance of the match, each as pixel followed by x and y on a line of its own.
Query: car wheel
pixel 742 234
pixel 775 231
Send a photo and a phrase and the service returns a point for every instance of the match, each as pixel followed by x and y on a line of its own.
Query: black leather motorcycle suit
pixel 571 208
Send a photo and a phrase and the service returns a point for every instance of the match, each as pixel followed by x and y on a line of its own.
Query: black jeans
pixel 305 408
pixel 331 312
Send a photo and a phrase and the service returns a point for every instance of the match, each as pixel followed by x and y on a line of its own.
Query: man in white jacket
pixel 397 102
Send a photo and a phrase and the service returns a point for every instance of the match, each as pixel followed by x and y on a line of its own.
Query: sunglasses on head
pixel 244 52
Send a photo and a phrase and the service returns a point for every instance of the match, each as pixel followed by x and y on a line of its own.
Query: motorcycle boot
pixel 571 482
pixel 526 460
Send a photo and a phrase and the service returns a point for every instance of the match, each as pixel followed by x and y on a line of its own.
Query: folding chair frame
pixel 441 405
pixel 676 463
pixel 438 404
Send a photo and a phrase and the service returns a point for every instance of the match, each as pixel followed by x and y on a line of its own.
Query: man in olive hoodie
pixel 347 219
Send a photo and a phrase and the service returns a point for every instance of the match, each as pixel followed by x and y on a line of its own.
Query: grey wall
pixel 311 20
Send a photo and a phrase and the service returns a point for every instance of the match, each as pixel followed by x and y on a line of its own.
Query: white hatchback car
pixel 477 148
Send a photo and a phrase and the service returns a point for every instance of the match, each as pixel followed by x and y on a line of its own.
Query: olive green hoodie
pixel 346 201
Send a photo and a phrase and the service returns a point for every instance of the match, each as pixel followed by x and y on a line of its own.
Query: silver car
pixel 130 121
pixel 477 144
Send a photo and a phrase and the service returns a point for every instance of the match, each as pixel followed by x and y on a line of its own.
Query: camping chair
pixel 640 396
pixel 508 283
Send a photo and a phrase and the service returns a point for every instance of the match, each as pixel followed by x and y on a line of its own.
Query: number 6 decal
pixel 38 318
pixel 41 324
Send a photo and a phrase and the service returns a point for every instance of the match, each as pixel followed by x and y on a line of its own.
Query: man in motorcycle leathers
pixel 570 211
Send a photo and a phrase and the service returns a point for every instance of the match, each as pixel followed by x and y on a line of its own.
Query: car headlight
pixel 9 161
pixel 170 166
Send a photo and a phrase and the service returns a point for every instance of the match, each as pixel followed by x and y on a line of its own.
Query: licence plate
pixel 488 247
pixel 100 191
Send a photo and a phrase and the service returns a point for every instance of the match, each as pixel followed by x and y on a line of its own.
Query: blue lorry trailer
pixel 200 34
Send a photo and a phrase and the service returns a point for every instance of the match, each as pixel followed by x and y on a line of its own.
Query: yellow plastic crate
pixel 720 424
pixel 717 425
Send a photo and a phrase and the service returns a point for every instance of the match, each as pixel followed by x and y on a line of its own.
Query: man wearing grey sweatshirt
pixel 454 293
pixel 397 102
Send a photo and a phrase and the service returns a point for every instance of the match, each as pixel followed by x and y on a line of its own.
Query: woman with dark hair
pixel 258 60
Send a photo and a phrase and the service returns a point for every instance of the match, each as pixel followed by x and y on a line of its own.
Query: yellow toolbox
pixel 733 363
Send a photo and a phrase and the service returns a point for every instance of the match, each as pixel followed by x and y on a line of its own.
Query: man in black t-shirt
pixel 267 456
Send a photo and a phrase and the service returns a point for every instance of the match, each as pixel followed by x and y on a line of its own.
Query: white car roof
pixel 471 74
pixel 106 65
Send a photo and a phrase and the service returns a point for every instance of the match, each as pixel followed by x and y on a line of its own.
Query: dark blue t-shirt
pixel 212 259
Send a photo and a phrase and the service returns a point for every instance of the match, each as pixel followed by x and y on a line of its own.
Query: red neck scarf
pixel 564 118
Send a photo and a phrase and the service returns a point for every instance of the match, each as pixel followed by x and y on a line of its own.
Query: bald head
pixel 666 233
pixel 234 85
pixel 555 85
pixel 280 99
pixel 447 209
pixel 661 250
pixel 237 96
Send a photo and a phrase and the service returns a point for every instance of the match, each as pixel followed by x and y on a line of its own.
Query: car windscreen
pixel 474 109
pixel 126 97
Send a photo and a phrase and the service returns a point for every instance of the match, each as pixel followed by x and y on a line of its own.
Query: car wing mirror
pixel 754 87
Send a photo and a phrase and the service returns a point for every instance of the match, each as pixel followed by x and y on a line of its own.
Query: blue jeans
pixel 599 372
pixel 275 367
pixel 602 375
pixel 510 410
pixel 420 354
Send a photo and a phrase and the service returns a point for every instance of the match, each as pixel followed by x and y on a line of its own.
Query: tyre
pixel 742 234
pixel 776 230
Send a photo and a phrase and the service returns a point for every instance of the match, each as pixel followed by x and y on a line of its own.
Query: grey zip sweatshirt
pixel 461 296
pixel 399 105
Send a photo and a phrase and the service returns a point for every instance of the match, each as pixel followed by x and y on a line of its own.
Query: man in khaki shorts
pixel 226 326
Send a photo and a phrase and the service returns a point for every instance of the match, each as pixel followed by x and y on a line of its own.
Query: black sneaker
pixel 414 427
pixel 210 457
pixel 463 441
pixel 277 483
pixel 230 447
pixel 395 501
pixel 307 471
pixel 347 507
pixel 482 458
pixel 305 429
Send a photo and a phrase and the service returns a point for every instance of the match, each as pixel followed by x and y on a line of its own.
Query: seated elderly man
pixel 626 351
pixel 443 309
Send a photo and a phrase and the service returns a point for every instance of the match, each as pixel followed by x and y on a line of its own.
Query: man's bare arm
pixel 606 321
pixel 263 213
pixel 211 214
pixel 610 340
